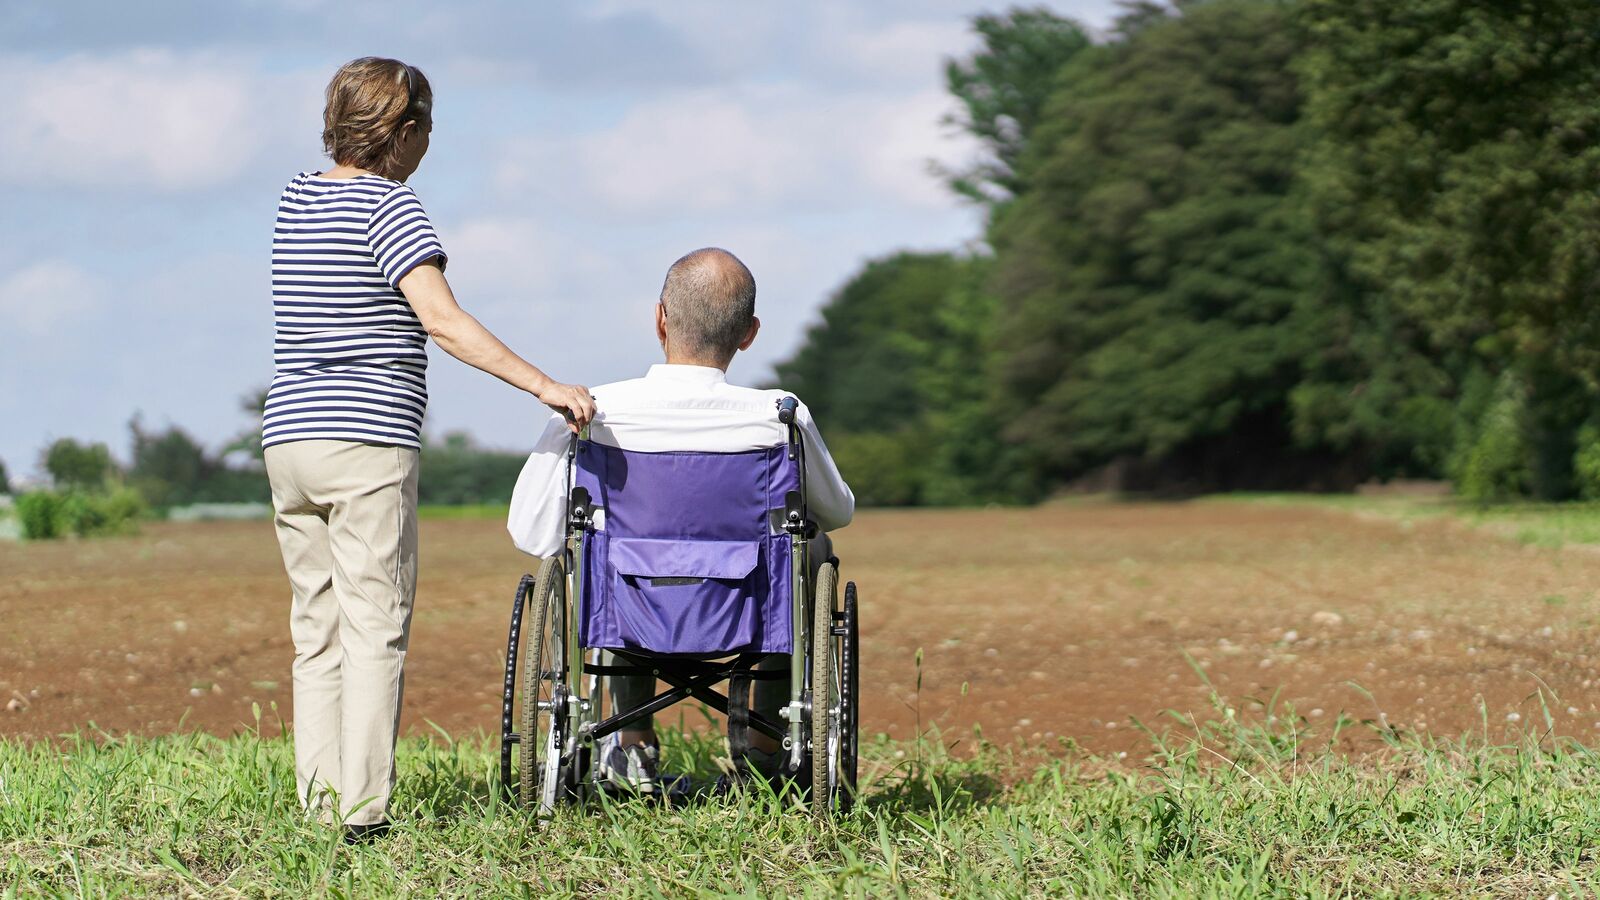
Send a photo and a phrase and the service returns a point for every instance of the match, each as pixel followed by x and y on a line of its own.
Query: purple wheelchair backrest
pixel 686 561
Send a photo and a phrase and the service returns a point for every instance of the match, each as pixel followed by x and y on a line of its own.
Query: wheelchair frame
pixel 561 705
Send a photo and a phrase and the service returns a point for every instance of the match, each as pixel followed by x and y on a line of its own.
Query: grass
pixel 465 511
pixel 1542 524
pixel 1232 808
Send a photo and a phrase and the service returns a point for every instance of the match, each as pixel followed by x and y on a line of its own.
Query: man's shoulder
pixel 619 388
pixel 768 396
pixel 650 389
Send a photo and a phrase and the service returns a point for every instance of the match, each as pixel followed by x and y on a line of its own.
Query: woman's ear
pixel 750 336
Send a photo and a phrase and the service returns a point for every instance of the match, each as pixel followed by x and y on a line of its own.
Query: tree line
pixel 90 493
pixel 1244 244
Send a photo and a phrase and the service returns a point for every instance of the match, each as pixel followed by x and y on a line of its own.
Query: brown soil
pixel 1069 621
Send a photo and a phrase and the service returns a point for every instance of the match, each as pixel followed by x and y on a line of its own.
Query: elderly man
pixel 705 316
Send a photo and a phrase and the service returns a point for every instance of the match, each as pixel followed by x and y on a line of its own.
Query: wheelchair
pixel 691 568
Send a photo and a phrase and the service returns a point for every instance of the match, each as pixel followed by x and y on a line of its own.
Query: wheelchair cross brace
pixel 689 678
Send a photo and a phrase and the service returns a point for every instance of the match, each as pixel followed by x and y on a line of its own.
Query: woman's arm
pixel 465 338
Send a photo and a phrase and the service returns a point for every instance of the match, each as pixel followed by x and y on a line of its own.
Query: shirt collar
pixel 695 374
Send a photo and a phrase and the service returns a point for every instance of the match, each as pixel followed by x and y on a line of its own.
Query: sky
pixel 577 150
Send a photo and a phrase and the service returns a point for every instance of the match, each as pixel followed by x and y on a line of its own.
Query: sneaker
pixel 631 768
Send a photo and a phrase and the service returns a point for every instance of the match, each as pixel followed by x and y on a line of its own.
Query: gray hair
pixel 711 300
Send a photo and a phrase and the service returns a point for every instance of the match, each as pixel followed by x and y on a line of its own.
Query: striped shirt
pixel 350 354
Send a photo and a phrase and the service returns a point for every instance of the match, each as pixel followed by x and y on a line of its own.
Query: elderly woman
pixel 358 287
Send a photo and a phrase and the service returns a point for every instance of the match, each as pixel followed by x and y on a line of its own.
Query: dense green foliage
pixel 1246 810
pixel 1147 281
pixel 75 465
pixel 44 515
pixel 1003 92
pixel 456 471
pixel 170 468
pixel 1246 243
pixel 1462 163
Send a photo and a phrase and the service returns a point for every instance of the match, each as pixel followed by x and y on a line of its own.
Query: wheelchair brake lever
pixel 580 507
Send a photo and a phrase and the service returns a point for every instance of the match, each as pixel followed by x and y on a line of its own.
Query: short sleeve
pixel 401 236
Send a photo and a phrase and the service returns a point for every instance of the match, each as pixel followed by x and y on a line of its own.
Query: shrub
pixel 39 513
pixel 98 514
pixel 1586 462
pixel 881 469
pixel 46 514
pixel 1494 465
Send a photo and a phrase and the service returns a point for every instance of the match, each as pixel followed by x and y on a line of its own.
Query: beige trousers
pixel 347 525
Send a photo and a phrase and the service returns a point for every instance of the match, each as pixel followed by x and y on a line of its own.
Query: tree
pixel 1002 89
pixel 78 466
pixel 1459 169
pixel 860 368
pixel 897 375
pixel 248 442
pixel 457 471
pixel 5 479
pixel 1148 278
pixel 169 467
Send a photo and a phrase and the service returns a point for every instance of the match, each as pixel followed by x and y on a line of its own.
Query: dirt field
pixel 1065 621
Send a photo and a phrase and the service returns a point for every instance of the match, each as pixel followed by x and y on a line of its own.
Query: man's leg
pixel 772 696
pixel 629 758
pixel 302 528
pixel 630 692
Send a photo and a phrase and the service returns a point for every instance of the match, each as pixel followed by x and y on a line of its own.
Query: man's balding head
pixel 709 300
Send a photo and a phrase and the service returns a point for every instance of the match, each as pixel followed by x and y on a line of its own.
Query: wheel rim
pixel 543 677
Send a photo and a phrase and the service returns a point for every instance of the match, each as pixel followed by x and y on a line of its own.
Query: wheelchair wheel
pixel 827 741
pixel 543 780
pixel 849 698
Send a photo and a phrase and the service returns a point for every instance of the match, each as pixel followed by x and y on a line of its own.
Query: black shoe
pixel 366 834
pixel 757 765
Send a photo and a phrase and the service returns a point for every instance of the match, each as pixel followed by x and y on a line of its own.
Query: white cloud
pixel 517 269
pixel 137 119
pixel 912 51
pixel 757 149
pixel 36 299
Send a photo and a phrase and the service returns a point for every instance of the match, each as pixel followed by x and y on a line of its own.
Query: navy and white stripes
pixel 350 354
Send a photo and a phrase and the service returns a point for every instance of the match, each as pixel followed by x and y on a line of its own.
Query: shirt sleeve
pixel 401 236
pixel 828 499
pixel 537 521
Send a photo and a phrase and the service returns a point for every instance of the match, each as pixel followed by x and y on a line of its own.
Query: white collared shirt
pixel 673 407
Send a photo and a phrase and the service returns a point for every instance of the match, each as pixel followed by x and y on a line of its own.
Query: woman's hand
pixel 571 400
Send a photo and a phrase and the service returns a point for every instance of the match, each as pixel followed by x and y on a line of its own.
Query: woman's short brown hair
pixel 366 107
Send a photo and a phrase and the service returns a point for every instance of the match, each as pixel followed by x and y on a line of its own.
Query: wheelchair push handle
pixel 786 409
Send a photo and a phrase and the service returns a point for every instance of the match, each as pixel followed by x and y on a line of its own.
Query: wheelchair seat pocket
pixel 655 558
pixel 684 596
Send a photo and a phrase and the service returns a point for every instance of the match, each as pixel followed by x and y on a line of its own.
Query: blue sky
pixel 578 149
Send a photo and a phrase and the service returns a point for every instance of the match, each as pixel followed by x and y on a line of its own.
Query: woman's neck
pixel 344 171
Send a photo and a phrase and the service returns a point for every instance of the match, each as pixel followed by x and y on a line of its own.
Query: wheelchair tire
pixel 508 698
pixel 825 736
pixel 541 778
pixel 849 700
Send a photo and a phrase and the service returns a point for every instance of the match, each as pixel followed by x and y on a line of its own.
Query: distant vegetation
pixel 1245 244
pixel 90 494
